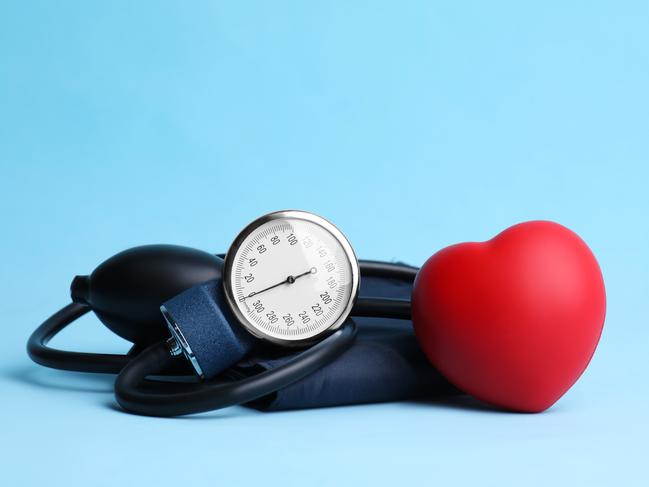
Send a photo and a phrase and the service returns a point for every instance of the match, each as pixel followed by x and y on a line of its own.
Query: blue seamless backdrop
pixel 412 125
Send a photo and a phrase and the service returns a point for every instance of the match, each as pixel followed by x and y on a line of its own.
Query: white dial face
pixel 292 279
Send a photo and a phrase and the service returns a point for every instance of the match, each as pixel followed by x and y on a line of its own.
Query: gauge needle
pixel 288 280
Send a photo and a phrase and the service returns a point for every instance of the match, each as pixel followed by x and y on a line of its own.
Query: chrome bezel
pixel 297 215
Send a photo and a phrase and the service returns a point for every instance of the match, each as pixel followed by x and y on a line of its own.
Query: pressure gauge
pixel 291 277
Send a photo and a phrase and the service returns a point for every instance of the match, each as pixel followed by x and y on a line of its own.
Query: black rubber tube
pixel 40 353
pixel 398 309
pixel 209 396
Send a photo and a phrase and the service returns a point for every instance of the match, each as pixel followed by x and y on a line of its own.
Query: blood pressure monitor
pixel 291 277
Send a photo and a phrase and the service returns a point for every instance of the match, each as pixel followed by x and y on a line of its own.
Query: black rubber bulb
pixel 126 291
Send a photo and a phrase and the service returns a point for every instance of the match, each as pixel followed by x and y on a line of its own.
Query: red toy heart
pixel 515 320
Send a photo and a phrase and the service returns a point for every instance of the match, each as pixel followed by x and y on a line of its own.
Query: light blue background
pixel 412 125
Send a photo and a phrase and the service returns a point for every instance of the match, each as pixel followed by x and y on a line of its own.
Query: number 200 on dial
pixel 291 276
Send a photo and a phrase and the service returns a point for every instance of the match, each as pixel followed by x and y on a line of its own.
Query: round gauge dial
pixel 291 276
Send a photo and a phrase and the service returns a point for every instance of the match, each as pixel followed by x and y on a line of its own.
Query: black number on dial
pixel 258 306
pixel 272 317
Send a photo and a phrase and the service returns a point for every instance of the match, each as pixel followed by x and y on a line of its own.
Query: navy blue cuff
pixel 209 335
